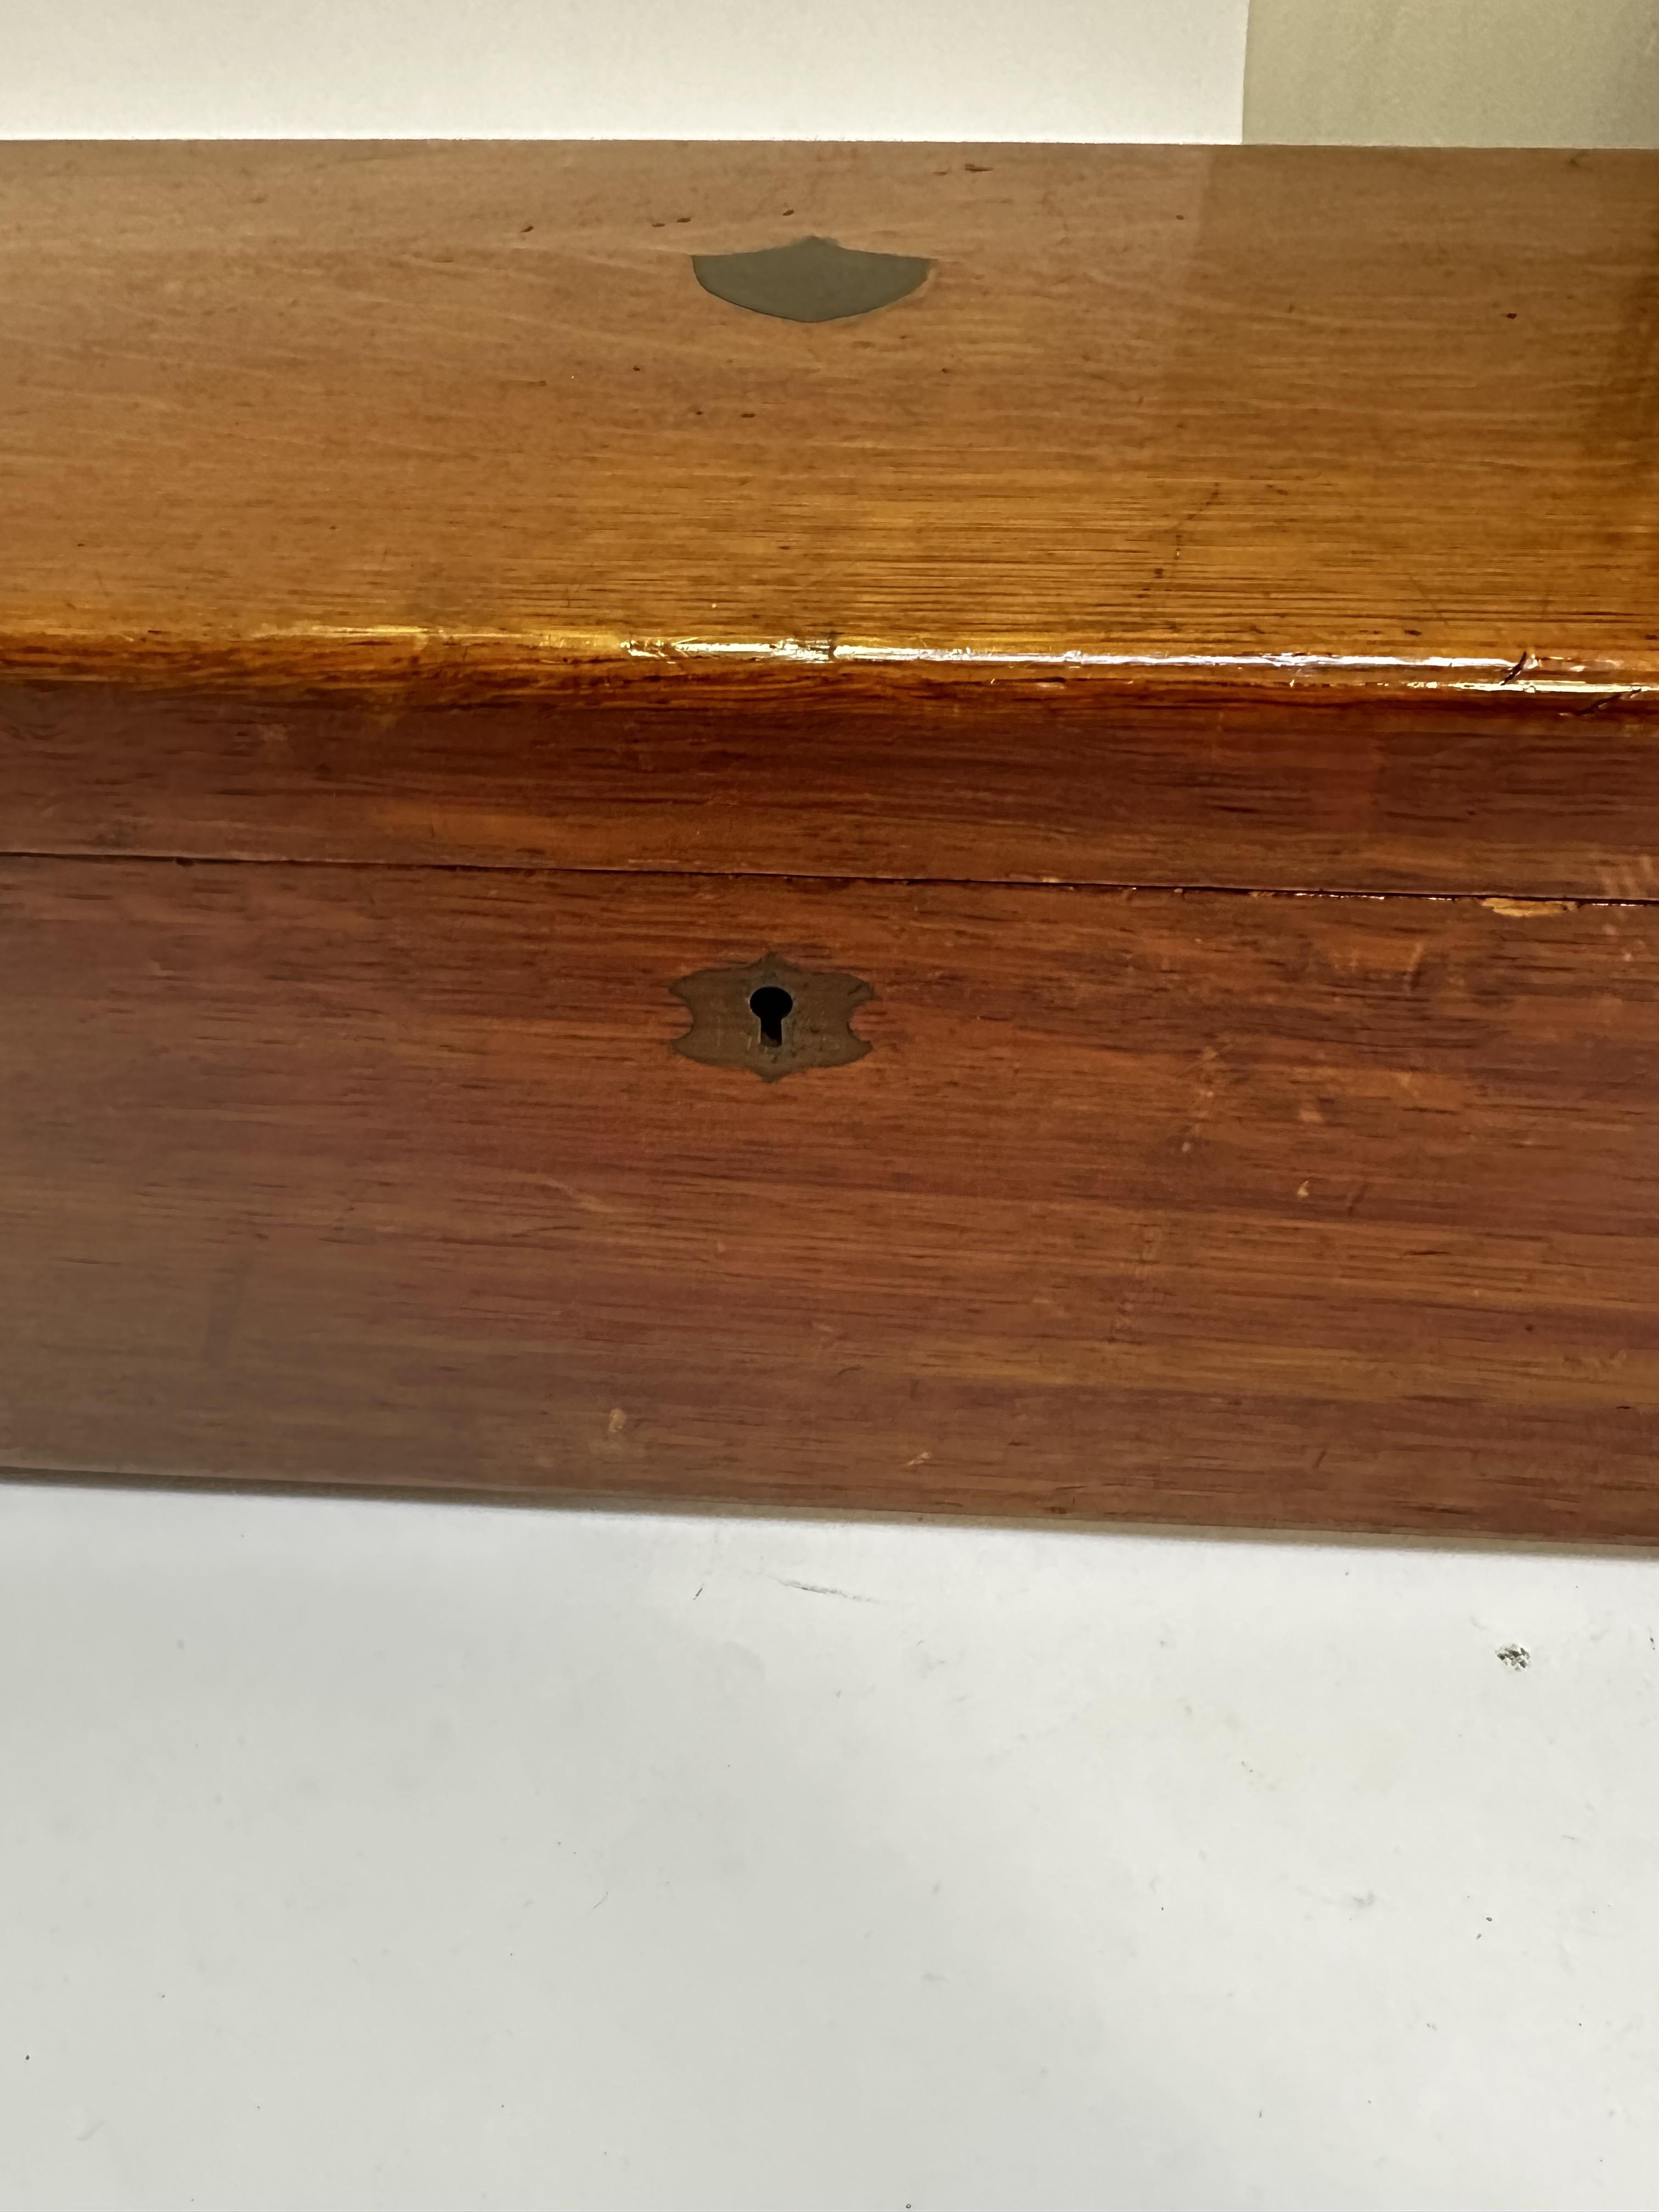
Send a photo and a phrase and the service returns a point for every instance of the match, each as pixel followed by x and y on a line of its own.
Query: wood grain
pixel 299 413
pixel 1287 1210
pixel 855 775
pixel 431 624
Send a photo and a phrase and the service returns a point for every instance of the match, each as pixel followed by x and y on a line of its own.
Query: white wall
pixel 1436 72
pixel 1454 72
pixel 630 69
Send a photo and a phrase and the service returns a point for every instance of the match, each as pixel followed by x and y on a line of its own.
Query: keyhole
pixel 771 1006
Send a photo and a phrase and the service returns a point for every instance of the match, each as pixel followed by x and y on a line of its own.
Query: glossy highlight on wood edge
pixel 481 667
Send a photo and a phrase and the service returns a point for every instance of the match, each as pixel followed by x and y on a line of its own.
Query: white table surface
pixel 423 1857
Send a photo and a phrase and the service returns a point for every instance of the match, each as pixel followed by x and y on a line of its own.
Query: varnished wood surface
pixel 432 625
pixel 397 414
pixel 847 775
pixel 1286 1210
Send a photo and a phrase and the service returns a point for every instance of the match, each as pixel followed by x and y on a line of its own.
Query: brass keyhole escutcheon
pixel 772 1018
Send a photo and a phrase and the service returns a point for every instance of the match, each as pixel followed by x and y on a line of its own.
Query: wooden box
pixel 898 828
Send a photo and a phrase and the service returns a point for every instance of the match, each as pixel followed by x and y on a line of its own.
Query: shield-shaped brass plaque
pixel 813 281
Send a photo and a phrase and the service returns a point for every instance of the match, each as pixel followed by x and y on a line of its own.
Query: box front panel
pixel 1218 1208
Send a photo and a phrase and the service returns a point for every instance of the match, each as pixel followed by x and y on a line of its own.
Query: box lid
pixel 1259 517
pixel 1155 413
